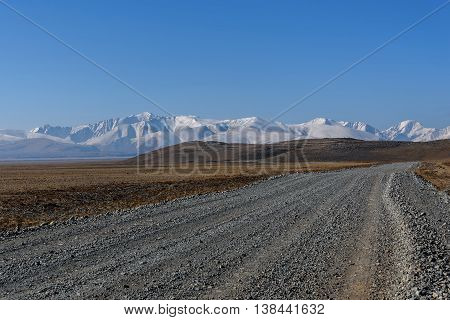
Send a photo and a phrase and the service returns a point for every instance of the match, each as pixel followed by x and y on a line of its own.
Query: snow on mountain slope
pixel 250 130
pixel 14 133
pixel 326 128
pixel 45 148
pixel 410 130
pixel 8 138
pixel 17 135
pixel 360 126
pixel 145 132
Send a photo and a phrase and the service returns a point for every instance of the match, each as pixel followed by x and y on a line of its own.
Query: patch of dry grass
pixel 436 172
pixel 32 194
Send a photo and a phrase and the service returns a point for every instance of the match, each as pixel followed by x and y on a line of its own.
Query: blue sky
pixel 224 59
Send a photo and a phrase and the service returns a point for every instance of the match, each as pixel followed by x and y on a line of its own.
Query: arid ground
pixel 437 172
pixel 36 193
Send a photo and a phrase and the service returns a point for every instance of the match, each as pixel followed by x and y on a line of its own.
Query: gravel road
pixel 369 233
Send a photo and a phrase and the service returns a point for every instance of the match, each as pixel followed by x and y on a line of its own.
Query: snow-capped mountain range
pixel 145 132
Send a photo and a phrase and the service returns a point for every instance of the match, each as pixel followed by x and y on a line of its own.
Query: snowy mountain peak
pixel 135 118
pixel 146 132
pixel 144 116
pixel 55 131
pixel 410 130
pixel 321 121
pixel 187 121
pixel 409 125
pixel 360 126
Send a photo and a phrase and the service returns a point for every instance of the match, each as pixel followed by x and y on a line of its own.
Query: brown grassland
pixel 437 172
pixel 35 193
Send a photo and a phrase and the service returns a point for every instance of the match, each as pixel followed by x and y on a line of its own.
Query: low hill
pixel 312 150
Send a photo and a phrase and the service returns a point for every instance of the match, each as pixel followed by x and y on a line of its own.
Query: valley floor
pixel 35 193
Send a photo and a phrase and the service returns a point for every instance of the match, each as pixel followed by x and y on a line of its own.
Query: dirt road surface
pixel 369 233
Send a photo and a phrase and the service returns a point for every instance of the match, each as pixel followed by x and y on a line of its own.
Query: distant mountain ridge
pixel 146 132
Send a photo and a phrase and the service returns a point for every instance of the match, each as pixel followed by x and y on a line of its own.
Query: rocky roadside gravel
pixel 426 213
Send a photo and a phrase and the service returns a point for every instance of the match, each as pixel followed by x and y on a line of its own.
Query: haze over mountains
pixel 146 132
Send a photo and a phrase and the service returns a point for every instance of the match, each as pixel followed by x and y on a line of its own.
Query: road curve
pixel 369 233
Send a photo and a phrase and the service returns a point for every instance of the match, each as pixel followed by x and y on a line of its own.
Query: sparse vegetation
pixel 32 194
pixel 436 172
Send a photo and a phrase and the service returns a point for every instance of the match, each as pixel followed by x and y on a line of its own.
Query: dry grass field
pixel 36 193
pixel 437 172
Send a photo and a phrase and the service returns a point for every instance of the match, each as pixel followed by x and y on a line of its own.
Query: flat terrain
pixel 36 193
pixel 377 232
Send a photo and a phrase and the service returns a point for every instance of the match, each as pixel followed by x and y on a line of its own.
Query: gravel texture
pixel 369 233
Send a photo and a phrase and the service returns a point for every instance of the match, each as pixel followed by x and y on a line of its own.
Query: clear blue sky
pixel 224 59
